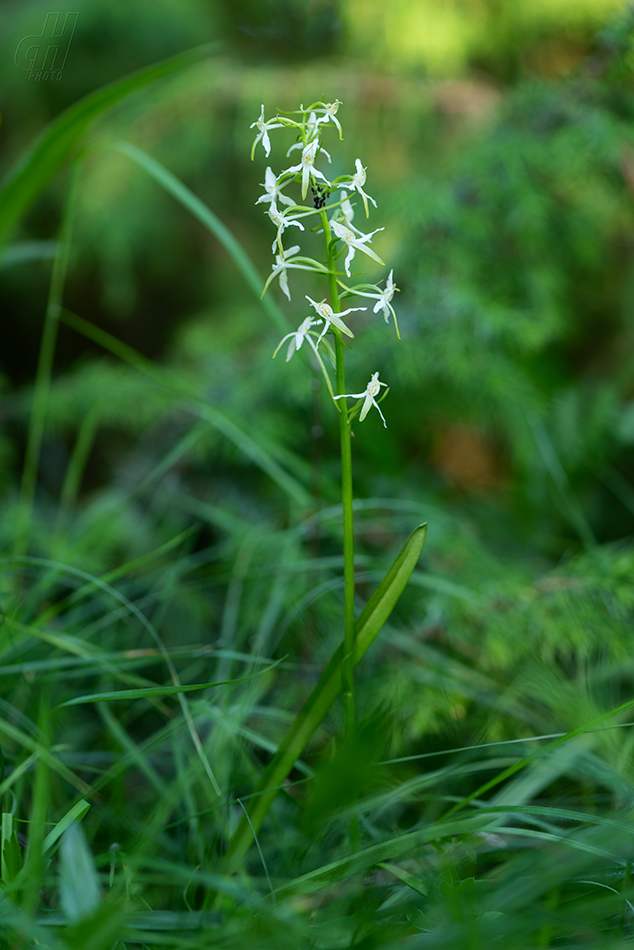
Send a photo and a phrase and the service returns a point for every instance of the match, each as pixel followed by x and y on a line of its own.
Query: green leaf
pixel 377 854
pixel 11 854
pixel 149 691
pixel 76 813
pixel 79 882
pixel 367 627
pixel 383 600
pixel 56 144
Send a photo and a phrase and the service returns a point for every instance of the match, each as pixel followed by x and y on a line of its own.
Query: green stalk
pixel 347 672
pixel 346 496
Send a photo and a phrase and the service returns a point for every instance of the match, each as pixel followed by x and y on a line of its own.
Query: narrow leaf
pixel 76 813
pixel 11 856
pixel 55 145
pixel 377 854
pixel 212 222
pixel 147 692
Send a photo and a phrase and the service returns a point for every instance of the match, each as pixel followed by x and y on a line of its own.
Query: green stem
pixel 345 436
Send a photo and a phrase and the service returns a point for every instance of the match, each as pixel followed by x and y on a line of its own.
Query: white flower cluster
pixel 339 229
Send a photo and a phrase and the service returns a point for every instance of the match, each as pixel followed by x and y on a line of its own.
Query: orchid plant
pixel 324 329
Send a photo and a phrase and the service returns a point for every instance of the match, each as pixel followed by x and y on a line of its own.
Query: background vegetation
pixel 170 500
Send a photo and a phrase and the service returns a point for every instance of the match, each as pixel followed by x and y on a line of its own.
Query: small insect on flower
pixel 320 196
pixel 372 389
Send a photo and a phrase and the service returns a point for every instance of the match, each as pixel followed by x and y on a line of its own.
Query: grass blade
pixel 55 145
pixel 146 693
pixel 76 813
pixel 205 215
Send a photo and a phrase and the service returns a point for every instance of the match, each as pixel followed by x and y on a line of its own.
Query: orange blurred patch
pixel 466 459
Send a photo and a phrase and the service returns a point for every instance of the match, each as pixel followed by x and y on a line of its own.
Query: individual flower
pixel 285 260
pixel 383 300
pixel 297 337
pixel 330 317
pixel 272 190
pixel 329 109
pixel 355 243
pixel 281 222
pixel 307 166
pixel 263 132
pixel 371 390
pixel 357 181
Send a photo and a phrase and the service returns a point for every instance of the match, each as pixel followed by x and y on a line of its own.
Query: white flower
pixel 285 260
pixel 355 243
pixel 383 300
pixel 263 132
pixel 272 189
pixel 329 109
pixel 297 337
pixel 330 317
pixel 357 182
pixel 307 166
pixel 372 389
pixel 281 221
